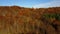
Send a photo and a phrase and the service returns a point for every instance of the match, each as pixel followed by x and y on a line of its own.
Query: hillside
pixel 20 20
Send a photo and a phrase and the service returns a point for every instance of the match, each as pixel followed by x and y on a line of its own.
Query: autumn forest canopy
pixel 22 20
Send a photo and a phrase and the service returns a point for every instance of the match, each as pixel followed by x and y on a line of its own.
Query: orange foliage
pixel 18 20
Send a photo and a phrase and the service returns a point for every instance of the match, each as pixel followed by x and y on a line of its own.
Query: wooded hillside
pixel 20 20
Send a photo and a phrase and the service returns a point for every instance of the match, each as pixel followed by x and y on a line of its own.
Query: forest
pixel 22 20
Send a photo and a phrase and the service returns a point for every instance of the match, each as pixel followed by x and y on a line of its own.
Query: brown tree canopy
pixel 21 20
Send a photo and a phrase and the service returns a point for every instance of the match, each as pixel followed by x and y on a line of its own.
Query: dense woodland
pixel 20 20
